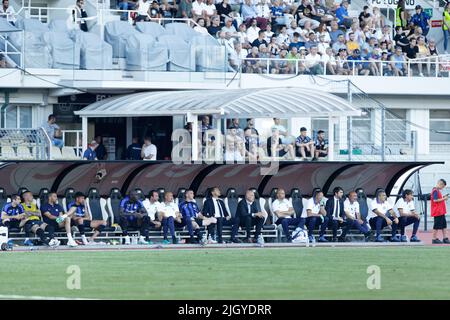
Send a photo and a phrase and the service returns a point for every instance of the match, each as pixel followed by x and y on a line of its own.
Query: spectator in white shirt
pixel 252 31
pixel 210 9
pixel 293 29
pixel 382 215
pixel 313 61
pixel 143 9
pixel 8 11
pixel 283 38
pixel 170 214
pixel 329 61
pixel 283 210
pixel 322 45
pixel 229 28
pixel 198 9
pixel 405 211
pixel 149 151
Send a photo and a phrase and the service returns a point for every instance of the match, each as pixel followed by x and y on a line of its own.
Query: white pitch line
pixel 19 297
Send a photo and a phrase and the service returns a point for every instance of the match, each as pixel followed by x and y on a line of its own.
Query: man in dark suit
pixel 335 212
pixel 249 214
pixel 215 207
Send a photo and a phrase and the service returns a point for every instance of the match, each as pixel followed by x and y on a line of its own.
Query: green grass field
pixel 292 273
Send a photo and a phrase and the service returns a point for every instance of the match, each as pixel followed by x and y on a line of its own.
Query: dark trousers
pixel 286 222
pixel 168 223
pixel 143 224
pixel 248 222
pixel 188 223
pixel 354 224
pixel 315 222
pixel 406 221
pixel 233 222
pixel 378 223
pixel 39 232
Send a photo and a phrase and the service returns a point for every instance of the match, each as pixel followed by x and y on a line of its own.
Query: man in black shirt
pixel 101 152
pixel 134 150
pixel 305 12
pixel 411 52
pixel 400 38
pixel 260 40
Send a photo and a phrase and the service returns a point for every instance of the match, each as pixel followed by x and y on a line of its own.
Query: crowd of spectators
pixel 310 36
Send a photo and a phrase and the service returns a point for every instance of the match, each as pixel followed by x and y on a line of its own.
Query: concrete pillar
pixel 420 117
pixel 84 129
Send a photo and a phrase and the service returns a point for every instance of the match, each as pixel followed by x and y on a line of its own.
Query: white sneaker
pixel 142 240
pixel 127 240
pixel 72 243
pixel 260 240
pixel 421 74
pixel 84 240
pixel 54 243
pixel 211 241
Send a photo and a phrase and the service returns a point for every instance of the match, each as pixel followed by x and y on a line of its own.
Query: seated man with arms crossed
pixel 249 215
pixel 316 216
pixel 406 213
pixel 51 211
pixel 33 223
pixel 335 212
pixel 353 216
pixel 133 214
pixel 284 211
pixel 382 215
pixel 193 218
pixel 81 218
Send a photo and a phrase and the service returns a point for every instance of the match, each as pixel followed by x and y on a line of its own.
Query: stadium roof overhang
pixel 255 103
pixel 127 175
pixel 240 103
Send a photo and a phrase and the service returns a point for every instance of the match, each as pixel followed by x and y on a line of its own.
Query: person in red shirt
pixel 438 211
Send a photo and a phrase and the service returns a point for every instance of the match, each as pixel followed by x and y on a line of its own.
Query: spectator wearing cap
pixel 342 63
pixel 306 12
pixel 342 15
pixel 89 153
pixel 313 61
pixel 329 61
pixel 339 44
pixel 320 145
pixel 398 62
pixel 312 41
pixel 356 64
pixel 305 145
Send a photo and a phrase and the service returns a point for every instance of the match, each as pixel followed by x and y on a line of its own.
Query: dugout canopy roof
pixel 238 103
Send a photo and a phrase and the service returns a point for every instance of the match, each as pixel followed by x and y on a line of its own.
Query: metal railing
pixel 24 144
pixel 435 66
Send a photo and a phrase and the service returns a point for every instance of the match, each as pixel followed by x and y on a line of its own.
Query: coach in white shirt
pixel 353 218
pixel 170 214
pixel 316 216
pixel 149 150
pixel 284 211
pixel 381 215
pixel 405 211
